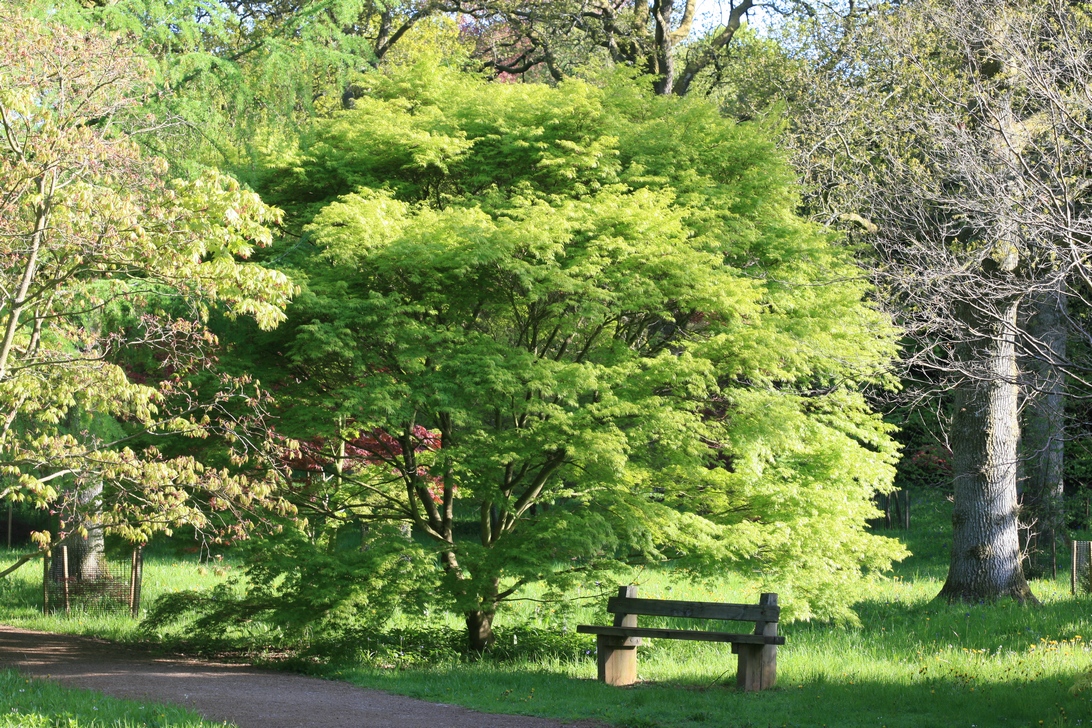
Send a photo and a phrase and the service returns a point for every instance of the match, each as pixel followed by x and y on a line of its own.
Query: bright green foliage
pixel 232 74
pixel 101 252
pixel 303 595
pixel 592 332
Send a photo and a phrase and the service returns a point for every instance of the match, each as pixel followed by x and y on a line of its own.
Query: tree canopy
pixel 100 252
pixel 562 330
pixel 949 138
pixel 544 332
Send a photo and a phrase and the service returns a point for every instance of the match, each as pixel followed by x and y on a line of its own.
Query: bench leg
pixel 757 667
pixel 617 662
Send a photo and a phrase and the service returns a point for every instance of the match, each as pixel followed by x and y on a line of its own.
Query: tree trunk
pixel 1044 432
pixel 985 559
pixel 89 552
pixel 479 630
pixel 663 59
pixel 479 621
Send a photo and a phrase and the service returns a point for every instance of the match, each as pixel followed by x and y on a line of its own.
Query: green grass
pixel 910 662
pixel 21 594
pixel 27 703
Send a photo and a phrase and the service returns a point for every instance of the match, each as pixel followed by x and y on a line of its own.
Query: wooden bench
pixel 617 645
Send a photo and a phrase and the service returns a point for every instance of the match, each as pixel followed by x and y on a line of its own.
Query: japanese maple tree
pixel 632 350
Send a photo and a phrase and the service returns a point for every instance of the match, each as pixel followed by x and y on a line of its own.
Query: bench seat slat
pixel 681 634
pixel 694 610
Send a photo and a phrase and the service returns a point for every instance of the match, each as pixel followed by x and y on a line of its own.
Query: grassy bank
pixel 910 662
pixel 26 703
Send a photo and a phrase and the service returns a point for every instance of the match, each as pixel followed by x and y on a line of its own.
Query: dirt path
pixel 244 695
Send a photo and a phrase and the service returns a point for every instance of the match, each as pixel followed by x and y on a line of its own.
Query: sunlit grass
pixel 911 661
pixel 21 594
pixel 28 703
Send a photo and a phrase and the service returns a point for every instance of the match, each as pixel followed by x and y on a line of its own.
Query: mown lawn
pixel 910 662
pixel 27 703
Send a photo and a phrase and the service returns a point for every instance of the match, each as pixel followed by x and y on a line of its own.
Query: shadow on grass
pixel 908 664
pixel 929 536
pixel 924 703
pixel 985 626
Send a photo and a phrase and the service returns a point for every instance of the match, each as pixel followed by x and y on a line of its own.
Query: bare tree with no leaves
pixel 967 162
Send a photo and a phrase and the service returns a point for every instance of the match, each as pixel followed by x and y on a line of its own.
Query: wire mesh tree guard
pixel 1080 574
pixel 73 580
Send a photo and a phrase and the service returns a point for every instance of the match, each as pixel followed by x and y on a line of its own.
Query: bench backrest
pixel 626 606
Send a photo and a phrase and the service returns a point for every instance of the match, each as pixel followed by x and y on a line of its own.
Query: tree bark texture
pixel 89 551
pixel 479 629
pixel 663 60
pixel 479 621
pixel 985 558
pixel 1043 455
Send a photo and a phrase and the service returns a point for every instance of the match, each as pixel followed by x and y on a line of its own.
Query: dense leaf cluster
pixel 544 333
pixel 633 350
pixel 101 251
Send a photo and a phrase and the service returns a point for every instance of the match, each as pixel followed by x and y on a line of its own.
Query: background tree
pixel 960 129
pixel 98 249
pixel 681 44
pixel 234 75
pixel 662 38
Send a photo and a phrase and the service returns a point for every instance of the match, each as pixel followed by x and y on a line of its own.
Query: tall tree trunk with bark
pixel 985 559
pixel 89 552
pixel 1044 431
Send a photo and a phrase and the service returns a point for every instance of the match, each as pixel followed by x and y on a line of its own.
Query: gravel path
pixel 244 695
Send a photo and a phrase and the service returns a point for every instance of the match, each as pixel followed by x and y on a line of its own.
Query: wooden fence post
pixel 1054 556
pixel 64 574
pixel 137 575
pixel 132 583
pixel 45 582
pixel 1073 567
